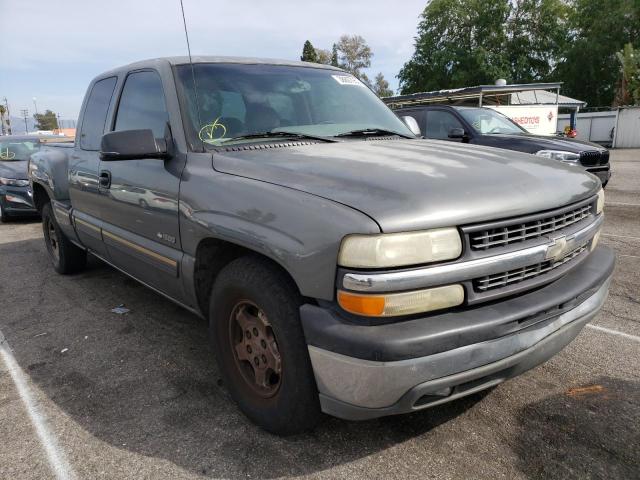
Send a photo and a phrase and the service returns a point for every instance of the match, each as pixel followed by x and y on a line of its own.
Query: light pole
pixel 25 114
pixel 35 105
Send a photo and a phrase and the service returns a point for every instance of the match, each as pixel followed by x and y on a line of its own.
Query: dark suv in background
pixel 485 126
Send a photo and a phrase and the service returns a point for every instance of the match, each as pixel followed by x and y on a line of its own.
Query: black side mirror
pixel 457 133
pixel 132 145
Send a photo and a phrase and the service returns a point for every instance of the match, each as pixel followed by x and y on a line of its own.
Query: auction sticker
pixel 347 80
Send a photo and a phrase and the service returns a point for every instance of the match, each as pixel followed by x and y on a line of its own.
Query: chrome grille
pixel 503 279
pixel 519 232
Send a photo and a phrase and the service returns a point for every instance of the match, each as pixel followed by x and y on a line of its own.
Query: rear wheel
pixel 65 256
pixel 261 351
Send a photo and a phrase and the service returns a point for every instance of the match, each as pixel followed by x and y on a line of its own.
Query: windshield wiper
pixel 280 133
pixel 363 132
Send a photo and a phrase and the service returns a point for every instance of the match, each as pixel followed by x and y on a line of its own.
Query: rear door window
pixel 142 104
pixel 95 113
pixel 439 123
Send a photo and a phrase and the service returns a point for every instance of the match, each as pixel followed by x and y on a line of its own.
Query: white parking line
pixel 55 455
pixel 615 332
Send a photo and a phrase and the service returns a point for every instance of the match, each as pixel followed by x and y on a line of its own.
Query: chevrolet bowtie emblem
pixel 556 249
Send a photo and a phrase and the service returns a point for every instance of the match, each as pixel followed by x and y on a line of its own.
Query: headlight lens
pixel 600 202
pixel 400 249
pixel 13 182
pixel 406 303
pixel 568 157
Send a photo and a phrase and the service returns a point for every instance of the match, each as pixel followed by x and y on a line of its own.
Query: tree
pixel 459 43
pixel 381 86
pixel 309 53
pixel 629 89
pixel 323 56
pixel 353 55
pixel 46 120
pixel 2 113
pixel 537 32
pixel 598 30
pixel 334 55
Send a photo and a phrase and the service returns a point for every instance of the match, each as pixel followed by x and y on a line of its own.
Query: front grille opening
pixel 503 279
pixel 520 232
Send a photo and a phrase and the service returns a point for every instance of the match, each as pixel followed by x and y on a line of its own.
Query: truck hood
pixel 14 169
pixel 414 184
pixel 544 142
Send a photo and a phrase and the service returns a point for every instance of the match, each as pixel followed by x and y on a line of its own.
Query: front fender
pixel 300 231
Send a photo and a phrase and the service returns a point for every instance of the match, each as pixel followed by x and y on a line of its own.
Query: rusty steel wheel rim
pixel 255 349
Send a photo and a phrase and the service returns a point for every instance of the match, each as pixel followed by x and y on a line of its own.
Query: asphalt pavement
pixel 86 393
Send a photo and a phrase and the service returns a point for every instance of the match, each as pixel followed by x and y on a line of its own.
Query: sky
pixel 51 50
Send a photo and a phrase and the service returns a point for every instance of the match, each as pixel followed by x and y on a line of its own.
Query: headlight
pixel 14 182
pixel 400 249
pixel 568 157
pixel 600 202
pixel 406 303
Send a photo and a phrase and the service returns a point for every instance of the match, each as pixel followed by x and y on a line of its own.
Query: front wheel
pixel 65 256
pixel 260 346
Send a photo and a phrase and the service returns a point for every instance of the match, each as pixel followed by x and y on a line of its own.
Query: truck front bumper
pixel 367 371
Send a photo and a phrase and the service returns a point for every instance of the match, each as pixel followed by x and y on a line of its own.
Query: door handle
pixel 105 179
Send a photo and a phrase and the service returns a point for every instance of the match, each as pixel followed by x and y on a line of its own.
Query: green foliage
pixel 629 89
pixel 323 56
pixel 599 29
pixel 536 38
pixel 471 42
pixel 381 86
pixel 459 43
pixel 46 120
pixel 334 55
pixel 309 53
pixel 354 55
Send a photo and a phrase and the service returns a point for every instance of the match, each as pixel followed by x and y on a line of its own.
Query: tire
pixel 286 402
pixel 65 256
pixel 4 218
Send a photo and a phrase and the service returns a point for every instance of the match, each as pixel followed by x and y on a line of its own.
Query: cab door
pixel 139 197
pixel 84 163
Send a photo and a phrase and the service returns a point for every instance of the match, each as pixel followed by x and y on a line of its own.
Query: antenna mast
pixel 193 73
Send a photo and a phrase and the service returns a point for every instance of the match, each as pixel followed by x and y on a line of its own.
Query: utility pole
pixel 35 105
pixel 59 125
pixel 25 114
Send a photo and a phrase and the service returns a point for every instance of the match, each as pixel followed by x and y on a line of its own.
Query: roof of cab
pixel 184 60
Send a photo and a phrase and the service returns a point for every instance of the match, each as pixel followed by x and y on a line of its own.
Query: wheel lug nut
pixel 256 361
pixel 255 332
pixel 248 348
pixel 248 334
pixel 264 359
pixel 263 343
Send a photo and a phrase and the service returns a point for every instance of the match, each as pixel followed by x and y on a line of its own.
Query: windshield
pixel 239 100
pixel 486 121
pixel 17 150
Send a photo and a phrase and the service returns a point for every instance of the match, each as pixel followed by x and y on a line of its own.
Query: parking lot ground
pixel 86 393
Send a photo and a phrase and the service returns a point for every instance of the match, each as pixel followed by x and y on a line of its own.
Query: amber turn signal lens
pixel 368 305
pixel 405 303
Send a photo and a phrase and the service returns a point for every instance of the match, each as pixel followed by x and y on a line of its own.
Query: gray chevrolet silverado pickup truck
pixel 344 265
